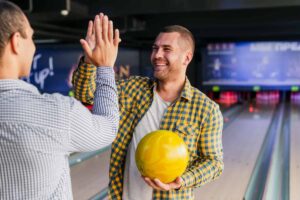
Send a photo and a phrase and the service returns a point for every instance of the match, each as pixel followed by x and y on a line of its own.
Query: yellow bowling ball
pixel 162 154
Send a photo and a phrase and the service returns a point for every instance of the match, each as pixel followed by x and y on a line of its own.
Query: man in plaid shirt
pixel 168 101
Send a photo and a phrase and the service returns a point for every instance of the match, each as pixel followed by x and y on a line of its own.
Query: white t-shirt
pixel 134 187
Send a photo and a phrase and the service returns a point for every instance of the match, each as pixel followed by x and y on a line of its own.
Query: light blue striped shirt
pixel 39 131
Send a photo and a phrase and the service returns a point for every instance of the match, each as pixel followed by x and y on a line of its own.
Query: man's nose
pixel 158 53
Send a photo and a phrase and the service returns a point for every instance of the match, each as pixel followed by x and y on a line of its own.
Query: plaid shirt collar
pixel 186 93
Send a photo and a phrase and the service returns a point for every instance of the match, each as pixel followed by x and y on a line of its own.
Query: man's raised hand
pixel 101 42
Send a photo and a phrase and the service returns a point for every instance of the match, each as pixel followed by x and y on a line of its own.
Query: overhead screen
pixel 244 64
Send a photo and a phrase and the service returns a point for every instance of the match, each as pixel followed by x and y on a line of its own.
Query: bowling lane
pixel 295 151
pixel 242 141
pixel 90 176
pixel 227 107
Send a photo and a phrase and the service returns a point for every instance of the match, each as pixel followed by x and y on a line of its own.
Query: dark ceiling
pixel 140 20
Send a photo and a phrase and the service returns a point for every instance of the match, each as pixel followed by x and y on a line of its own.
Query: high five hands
pixel 158 185
pixel 101 43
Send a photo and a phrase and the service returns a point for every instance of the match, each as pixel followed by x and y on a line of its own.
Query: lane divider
pixel 80 157
pixel 270 176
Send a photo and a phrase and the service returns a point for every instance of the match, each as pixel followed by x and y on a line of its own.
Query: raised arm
pixel 93 131
pixel 84 76
pixel 84 82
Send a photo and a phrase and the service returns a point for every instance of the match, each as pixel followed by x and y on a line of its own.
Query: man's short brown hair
pixel 184 33
pixel 11 21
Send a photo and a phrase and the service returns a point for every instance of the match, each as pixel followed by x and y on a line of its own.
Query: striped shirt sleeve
pixel 93 131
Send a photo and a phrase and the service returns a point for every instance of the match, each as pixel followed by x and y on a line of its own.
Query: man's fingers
pixel 178 180
pixel 101 46
pixel 110 31
pixel 105 28
pixel 147 181
pixel 98 29
pixel 161 185
pixel 86 48
pixel 117 38
pixel 89 32
pixel 150 183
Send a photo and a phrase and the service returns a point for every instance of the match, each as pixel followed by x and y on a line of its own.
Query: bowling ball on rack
pixel 162 154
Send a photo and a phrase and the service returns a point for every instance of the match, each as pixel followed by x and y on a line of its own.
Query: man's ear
pixel 15 42
pixel 188 58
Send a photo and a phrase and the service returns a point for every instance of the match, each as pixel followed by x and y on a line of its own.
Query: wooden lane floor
pixel 295 153
pixel 242 141
pixel 90 176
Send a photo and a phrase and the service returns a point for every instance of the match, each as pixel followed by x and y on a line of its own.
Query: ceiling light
pixel 64 12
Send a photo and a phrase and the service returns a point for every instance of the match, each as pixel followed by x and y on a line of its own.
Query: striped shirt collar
pixel 11 84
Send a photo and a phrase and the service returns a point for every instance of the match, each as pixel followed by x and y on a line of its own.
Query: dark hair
pixel 184 32
pixel 12 20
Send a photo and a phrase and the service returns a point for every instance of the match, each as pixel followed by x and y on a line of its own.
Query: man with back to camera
pixel 38 132
pixel 166 102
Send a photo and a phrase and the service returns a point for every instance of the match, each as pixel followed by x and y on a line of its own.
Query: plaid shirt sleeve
pixel 209 165
pixel 84 83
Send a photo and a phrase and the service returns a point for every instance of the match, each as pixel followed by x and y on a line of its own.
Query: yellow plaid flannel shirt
pixel 194 117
